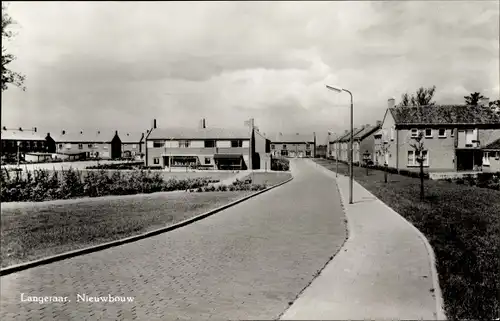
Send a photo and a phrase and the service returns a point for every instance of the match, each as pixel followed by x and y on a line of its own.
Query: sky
pixel 118 65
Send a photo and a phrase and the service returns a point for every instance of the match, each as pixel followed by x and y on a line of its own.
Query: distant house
pixel 364 143
pixel 321 151
pixel 22 141
pixel 132 144
pixel 340 145
pixel 491 156
pixel 209 148
pixel 294 145
pixel 86 144
pixel 454 136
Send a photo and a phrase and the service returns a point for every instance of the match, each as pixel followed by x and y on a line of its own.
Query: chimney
pixel 296 133
pixel 391 102
pixel 379 123
pixel 63 132
pixel 34 129
pixel 154 123
pixel 4 128
pixel 367 125
pixel 48 134
pixel 116 132
pixel 81 132
pixel 346 131
pixel 202 124
pixel 484 102
pixel 20 129
pixel 98 132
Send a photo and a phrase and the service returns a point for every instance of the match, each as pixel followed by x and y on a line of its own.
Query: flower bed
pixel 280 164
pixel 129 165
pixel 40 185
pixel 238 185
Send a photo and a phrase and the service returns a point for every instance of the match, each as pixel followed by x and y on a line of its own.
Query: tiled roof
pixel 199 133
pixel 444 114
pixel 21 135
pixel 293 138
pixel 83 136
pixel 367 130
pixel 131 136
pixel 347 137
pixel 494 145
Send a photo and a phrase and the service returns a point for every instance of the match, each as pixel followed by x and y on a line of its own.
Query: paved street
pixel 247 262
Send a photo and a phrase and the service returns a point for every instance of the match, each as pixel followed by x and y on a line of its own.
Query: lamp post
pixel 338 90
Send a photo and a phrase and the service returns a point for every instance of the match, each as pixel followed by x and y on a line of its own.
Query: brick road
pixel 247 262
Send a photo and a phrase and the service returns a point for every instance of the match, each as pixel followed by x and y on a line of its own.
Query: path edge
pixel 130 239
pixel 440 314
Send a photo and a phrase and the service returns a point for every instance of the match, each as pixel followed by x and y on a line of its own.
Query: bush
pixel 280 164
pixel 40 186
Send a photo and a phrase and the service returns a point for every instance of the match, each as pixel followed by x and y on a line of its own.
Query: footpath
pixel 385 270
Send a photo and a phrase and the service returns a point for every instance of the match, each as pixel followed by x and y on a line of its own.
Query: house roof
pixel 347 136
pixel 378 132
pixel 293 138
pixel 199 133
pixel 131 136
pixel 445 115
pixel 493 146
pixel 367 131
pixel 83 136
pixel 21 135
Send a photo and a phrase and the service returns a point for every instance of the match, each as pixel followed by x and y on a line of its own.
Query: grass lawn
pixel 462 223
pixel 31 231
pixel 270 178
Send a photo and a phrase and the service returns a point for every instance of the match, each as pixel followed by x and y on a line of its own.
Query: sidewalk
pixel 383 271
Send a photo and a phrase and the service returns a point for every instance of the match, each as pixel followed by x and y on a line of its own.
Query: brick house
pixel 132 144
pixel 86 144
pixel 208 148
pixel 364 143
pixel 294 145
pixel 454 135
pixel 23 141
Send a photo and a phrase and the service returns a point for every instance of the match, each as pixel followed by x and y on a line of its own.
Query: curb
pixel 440 314
pixel 70 254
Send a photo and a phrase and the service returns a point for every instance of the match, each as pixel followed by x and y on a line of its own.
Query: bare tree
pixel 473 99
pixel 422 97
pixel 419 149
pixel 9 76
pixel 384 150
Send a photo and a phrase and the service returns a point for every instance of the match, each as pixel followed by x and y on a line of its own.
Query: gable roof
pixel 445 115
pixel 493 146
pixel 347 136
pixel 131 136
pixel 294 138
pixel 96 136
pixel 367 131
pixel 198 133
pixel 9 134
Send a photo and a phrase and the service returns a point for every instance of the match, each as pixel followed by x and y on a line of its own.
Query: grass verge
pixel 269 178
pixel 462 223
pixel 31 231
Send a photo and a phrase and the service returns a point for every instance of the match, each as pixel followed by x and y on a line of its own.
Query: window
pixel 89 146
pixel 308 153
pixel 35 144
pixel 497 155
pixel 308 146
pixel 452 133
pixel 236 143
pixel 414 132
pixel 156 160
pixel 272 146
pixel 392 133
pixel 486 159
pixel 133 146
pixel 413 158
pixel 184 143
pixel 284 152
pixel 284 147
pixel 207 160
pixel 158 144
pixel 428 132
pixel 80 146
pixel 105 146
pixel 209 143
pixel 28 144
pixel 60 146
pixel 442 132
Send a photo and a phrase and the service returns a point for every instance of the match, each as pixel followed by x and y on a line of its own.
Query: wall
pixel 103 149
pixel 441 151
pixel 260 148
pixel 293 148
pixel 134 148
pixel 367 144
pixel 392 141
pixel 494 162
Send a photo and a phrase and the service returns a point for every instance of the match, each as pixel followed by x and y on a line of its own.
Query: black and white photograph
pixel 250 160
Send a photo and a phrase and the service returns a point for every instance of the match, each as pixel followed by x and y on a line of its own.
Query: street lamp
pixel 338 90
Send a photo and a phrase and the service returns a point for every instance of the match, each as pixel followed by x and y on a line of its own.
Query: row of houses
pixel 455 137
pixel 200 147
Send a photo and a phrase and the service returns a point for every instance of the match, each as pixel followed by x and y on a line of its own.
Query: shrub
pixel 280 164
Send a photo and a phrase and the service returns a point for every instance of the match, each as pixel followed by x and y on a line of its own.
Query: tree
pixel 473 99
pixel 422 97
pixel 384 150
pixel 419 149
pixel 495 106
pixel 9 76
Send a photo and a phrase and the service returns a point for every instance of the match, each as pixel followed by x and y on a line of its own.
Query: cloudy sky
pixel 121 64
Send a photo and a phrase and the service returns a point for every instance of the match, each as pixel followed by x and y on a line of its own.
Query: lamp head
pixel 334 88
